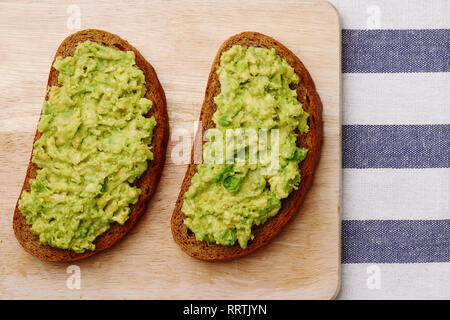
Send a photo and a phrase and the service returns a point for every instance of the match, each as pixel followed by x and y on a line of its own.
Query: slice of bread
pixel 147 182
pixel 312 140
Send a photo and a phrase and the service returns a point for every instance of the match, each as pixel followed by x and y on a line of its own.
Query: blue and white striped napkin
pixel 396 149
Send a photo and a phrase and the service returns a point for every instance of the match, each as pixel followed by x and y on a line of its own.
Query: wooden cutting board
pixel 180 39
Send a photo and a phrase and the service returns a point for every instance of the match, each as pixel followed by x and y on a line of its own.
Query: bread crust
pixel 312 140
pixel 147 182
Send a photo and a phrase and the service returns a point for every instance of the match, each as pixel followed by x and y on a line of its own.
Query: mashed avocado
pixel 225 199
pixel 94 145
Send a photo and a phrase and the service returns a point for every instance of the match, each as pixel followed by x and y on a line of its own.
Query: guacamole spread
pixel 226 199
pixel 94 145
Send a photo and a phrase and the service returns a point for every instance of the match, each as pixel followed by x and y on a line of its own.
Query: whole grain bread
pixel 147 182
pixel 312 140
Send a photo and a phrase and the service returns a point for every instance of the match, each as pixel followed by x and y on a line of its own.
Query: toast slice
pixel 312 140
pixel 147 182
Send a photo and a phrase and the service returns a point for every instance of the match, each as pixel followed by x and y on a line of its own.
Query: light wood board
pixel 180 39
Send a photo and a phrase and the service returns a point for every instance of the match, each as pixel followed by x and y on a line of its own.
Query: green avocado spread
pixel 94 145
pixel 226 199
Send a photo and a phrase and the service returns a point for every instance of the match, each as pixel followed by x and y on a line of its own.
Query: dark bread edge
pixel 147 182
pixel 312 140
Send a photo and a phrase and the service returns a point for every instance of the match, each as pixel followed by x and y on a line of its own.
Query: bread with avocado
pixel 211 249
pixel 142 185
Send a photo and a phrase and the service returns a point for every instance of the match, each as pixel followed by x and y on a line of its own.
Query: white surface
pixel 397 281
pixel 396 98
pixel 411 194
pixel 389 194
pixel 394 14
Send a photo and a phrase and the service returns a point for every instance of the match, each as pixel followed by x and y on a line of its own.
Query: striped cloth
pixel 396 149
